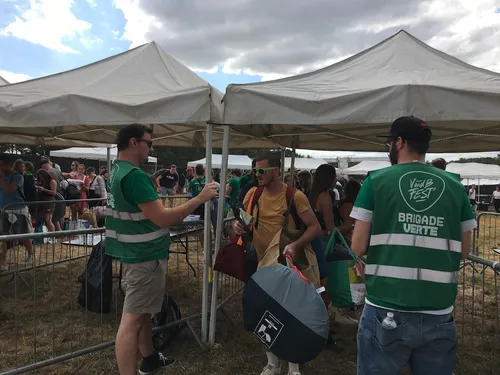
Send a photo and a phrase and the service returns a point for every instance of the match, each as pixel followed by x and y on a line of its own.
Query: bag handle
pixel 249 211
pixel 289 263
pixel 331 244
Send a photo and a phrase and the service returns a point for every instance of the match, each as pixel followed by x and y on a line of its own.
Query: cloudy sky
pixel 237 41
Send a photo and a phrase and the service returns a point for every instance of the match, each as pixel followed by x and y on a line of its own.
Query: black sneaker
pixel 150 365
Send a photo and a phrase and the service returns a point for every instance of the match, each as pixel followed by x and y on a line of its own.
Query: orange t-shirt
pixel 271 216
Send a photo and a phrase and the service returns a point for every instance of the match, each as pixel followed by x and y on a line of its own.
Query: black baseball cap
pixel 410 128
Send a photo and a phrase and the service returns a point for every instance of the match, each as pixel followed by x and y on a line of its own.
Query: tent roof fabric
pixel 91 153
pixel 366 166
pixel 234 162
pixel 475 170
pixel 143 85
pixel 3 82
pixel 345 105
pixel 304 163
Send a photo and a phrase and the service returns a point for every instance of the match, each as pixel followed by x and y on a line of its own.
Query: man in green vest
pixel 414 223
pixel 137 234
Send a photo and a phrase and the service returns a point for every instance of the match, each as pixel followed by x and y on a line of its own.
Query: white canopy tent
pixel 92 153
pixel 346 105
pixel 475 170
pixel 304 163
pixel 478 182
pixel 366 166
pixel 3 81
pixel 143 85
pixel 234 162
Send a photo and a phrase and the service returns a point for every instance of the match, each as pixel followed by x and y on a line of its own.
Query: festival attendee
pixel 271 212
pixel 53 165
pixel 233 187
pixel 19 166
pixel 167 184
pixel 305 182
pixel 496 199
pixel 414 223
pixel 47 189
pixel 60 205
pixel 137 234
pixel 472 197
pixel 16 217
pixel 97 188
pixel 320 200
pixel 439 163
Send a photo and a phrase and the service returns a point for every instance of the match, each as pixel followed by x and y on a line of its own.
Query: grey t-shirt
pixel 57 176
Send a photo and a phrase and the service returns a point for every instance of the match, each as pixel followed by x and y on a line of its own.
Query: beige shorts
pixel 145 289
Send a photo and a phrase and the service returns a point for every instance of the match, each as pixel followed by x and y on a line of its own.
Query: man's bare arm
pixel 361 237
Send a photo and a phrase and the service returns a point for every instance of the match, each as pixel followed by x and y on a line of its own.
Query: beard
pixel 393 155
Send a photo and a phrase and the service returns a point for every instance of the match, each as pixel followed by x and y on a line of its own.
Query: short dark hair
pixel 420 148
pixel 44 161
pixel 29 166
pixel 199 169
pixel 236 172
pixel 90 170
pixel 128 132
pixel 173 166
pixel 6 159
pixel 273 159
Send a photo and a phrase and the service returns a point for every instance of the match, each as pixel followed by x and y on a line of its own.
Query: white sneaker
pixel 294 373
pixel 271 370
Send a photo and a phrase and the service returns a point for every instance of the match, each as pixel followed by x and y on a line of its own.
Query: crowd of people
pixel 32 199
pixel 410 222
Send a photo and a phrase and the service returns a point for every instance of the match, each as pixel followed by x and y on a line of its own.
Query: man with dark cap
pixel 414 223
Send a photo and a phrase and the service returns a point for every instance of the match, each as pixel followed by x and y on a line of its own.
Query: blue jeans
pixel 319 247
pixel 427 343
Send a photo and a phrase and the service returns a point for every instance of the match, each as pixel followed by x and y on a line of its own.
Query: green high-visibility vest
pixel 418 214
pixel 130 236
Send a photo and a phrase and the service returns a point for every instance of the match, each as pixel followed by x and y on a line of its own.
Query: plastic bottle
pixel 389 322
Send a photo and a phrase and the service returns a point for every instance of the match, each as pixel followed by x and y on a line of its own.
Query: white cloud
pixel 92 3
pixel 12 77
pixel 267 39
pixel 48 23
pixel 89 42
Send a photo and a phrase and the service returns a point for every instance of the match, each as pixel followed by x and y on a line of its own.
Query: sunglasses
pixel 261 171
pixel 146 141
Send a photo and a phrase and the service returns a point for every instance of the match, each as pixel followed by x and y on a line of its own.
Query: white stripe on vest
pixel 400 239
pixel 126 216
pixel 408 273
pixel 137 238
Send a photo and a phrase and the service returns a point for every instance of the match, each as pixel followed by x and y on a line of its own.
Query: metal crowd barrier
pixel 486 239
pixel 477 315
pixel 43 324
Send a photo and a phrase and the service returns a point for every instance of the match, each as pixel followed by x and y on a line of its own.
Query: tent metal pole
pixel 108 160
pixel 283 154
pixel 207 248
pixel 219 231
pixel 292 168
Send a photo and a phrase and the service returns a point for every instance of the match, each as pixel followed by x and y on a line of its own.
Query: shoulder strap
pixel 257 193
pixel 290 194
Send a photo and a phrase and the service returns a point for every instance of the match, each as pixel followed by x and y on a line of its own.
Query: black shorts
pixel 472 202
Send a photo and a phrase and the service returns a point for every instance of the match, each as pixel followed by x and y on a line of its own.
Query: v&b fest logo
pixel 421 191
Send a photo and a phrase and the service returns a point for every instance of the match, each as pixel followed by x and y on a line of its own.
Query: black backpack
pixel 169 313
pixel 96 292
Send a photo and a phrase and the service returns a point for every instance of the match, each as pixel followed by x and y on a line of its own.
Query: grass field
pixel 48 311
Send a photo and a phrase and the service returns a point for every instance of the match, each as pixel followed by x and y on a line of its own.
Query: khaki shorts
pixel 145 286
